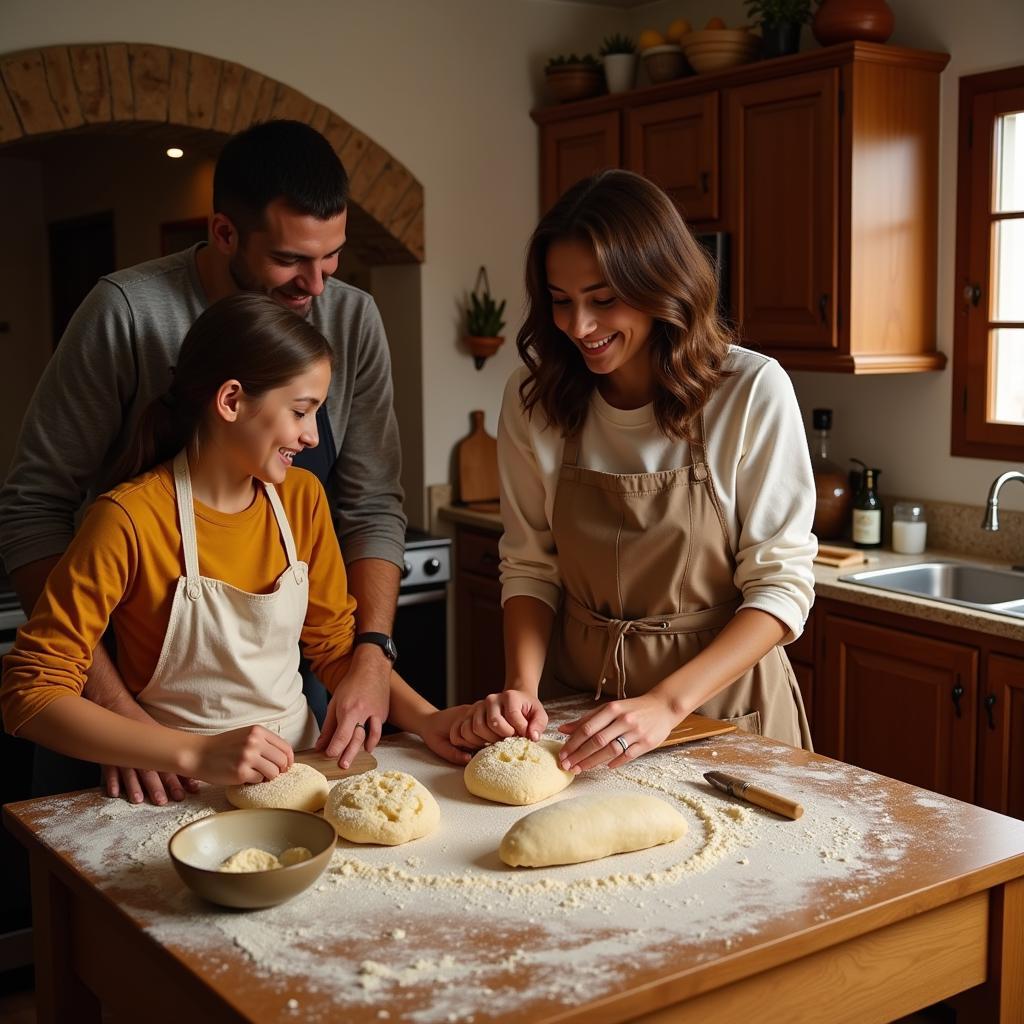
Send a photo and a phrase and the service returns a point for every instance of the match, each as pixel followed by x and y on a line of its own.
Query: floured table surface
pixel 441 930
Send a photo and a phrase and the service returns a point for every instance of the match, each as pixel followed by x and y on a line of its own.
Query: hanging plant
pixel 484 320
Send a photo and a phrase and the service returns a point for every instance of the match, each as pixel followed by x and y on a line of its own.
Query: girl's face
pixel 611 336
pixel 271 430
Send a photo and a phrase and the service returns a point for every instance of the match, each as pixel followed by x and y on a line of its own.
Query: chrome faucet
pixel 991 520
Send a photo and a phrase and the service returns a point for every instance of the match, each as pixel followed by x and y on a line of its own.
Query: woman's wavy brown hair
pixel 246 337
pixel 651 261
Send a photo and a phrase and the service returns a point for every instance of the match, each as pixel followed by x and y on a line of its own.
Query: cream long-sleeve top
pixel 759 461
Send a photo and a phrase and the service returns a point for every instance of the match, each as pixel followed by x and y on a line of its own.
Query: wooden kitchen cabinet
pixel 675 144
pixel 480 646
pixel 573 150
pixel 828 189
pixel 1002 735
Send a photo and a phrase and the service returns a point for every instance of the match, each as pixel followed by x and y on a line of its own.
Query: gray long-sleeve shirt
pixel 115 358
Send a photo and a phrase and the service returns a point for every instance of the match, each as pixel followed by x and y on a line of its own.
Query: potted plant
pixel 572 77
pixel 781 22
pixel 483 320
pixel 839 21
pixel 618 54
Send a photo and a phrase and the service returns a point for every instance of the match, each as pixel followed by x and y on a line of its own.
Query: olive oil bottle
pixel 867 510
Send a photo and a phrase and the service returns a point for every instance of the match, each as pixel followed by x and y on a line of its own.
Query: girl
pixel 212 568
pixel 657 494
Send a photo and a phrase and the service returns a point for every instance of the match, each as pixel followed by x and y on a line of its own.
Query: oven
pixel 421 619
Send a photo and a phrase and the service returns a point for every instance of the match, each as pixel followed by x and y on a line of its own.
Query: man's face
pixel 289 257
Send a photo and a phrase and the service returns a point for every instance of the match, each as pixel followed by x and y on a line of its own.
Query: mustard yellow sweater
pixel 122 567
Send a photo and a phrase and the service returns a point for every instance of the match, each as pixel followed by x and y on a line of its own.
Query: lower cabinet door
pixel 899 704
pixel 1002 732
pixel 479 637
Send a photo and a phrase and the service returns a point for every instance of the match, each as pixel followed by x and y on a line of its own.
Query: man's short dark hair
pixel 278 160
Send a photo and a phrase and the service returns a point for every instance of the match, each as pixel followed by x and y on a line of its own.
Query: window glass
pixel 1006 370
pixel 1009 163
pixel 1008 271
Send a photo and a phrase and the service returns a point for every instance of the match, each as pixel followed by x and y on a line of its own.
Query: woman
pixel 212 563
pixel 657 494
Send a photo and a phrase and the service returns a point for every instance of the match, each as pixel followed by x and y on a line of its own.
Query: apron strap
pixel 187 522
pixel 286 530
pixel 571 450
pixel 699 451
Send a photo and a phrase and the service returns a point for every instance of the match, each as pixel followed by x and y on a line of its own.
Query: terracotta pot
pixel 574 82
pixel 841 21
pixel 482 348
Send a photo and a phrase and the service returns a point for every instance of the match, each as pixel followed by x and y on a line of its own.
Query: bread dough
pixel 250 859
pixel 294 855
pixel 390 808
pixel 517 771
pixel 590 827
pixel 301 788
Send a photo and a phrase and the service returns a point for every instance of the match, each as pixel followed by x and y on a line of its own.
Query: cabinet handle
pixel 705 182
pixel 488 559
pixel 972 294
pixel 990 703
pixel 823 307
pixel 958 692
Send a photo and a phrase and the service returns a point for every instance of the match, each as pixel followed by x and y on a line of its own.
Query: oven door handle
pixel 422 597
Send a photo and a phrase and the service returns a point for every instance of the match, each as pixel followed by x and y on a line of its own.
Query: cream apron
pixel 647 573
pixel 231 658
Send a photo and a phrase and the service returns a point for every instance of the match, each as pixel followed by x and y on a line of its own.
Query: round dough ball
pixel 251 859
pixel 588 828
pixel 517 771
pixel 389 808
pixel 301 788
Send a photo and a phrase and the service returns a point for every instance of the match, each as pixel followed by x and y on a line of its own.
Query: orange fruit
pixel 715 23
pixel 677 30
pixel 650 37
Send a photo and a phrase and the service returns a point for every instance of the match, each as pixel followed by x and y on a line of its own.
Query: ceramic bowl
pixel 664 63
pixel 719 49
pixel 198 849
pixel 574 82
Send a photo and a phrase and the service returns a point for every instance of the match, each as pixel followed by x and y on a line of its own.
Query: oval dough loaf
pixel 588 828
pixel 301 788
pixel 517 771
pixel 390 808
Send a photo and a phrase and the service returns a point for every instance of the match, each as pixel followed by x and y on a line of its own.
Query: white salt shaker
pixel 909 529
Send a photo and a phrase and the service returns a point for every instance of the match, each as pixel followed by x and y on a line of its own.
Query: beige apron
pixel 647 573
pixel 231 658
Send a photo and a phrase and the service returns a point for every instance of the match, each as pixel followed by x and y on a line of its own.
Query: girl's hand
pixel 355 716
pixel 498 716
pixel 435 730
pixel 249 754
pixel 642 722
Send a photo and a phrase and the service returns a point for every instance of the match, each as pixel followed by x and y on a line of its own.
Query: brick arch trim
pixel 71 88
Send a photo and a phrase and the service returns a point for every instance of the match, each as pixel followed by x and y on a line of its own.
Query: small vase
pixel 619 71
pixel 842 21
pixel 780 38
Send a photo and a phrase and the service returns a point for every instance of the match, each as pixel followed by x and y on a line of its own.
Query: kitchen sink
pixel 974 586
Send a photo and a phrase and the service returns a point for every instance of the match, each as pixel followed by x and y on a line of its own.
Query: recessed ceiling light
pixel 175 154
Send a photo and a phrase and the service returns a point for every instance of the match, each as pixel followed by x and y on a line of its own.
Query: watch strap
pixel 381 640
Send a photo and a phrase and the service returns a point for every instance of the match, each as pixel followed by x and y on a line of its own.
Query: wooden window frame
pixel 982 99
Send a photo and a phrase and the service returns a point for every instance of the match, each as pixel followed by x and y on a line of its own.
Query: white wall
pixel 447 86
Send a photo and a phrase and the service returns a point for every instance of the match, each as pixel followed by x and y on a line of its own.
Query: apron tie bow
pixel 615 657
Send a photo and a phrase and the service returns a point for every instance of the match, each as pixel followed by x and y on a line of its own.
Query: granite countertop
pixel 828 584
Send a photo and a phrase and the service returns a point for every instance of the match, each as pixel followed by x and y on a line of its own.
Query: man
pixel 279 218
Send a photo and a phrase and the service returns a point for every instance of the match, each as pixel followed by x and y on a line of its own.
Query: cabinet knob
pixel 972 294
pixel 958 692
pixel 823 307
pixel 990 703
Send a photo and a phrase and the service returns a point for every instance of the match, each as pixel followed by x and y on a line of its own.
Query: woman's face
pixel 271 430
pixel 611 336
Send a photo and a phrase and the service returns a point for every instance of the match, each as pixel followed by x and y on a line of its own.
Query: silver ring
pixel 622 743
pixel 359 725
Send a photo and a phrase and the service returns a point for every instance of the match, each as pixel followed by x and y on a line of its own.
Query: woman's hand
pixel 355 715
pixel 498 716
pixel 249 754
pixel 641 722
pixel 435 730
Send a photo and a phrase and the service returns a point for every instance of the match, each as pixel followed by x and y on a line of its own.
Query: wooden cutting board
pixel 695 727
pixel 478 466
pixel 363 762
pixel 839 557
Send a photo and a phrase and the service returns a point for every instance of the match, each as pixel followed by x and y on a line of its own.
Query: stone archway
pixel 141 85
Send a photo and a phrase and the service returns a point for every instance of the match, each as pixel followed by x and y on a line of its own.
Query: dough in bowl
pixel 301 788
pixel 390 808
pixel 517 771
pixel 588 828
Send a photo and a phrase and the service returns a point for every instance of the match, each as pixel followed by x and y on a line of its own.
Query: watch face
pixel 390 649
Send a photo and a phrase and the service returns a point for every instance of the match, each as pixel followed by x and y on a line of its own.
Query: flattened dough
pixel 301 788
pixel 517 771
pixel 251 859
pixel 390 808
pixel 588 828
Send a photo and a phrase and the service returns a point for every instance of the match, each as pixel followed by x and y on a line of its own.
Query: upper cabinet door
pixel 574 149
pixel 675 144
pixel 783 145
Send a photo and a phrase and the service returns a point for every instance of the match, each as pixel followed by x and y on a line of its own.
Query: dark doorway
pixel 81 252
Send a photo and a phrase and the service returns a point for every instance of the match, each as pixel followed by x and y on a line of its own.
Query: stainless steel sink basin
pixel 975 586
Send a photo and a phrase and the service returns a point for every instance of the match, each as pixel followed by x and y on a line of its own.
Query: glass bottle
pixel 909 528
pixel 867 510
pixel 831 486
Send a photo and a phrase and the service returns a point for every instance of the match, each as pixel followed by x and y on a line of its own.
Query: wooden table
pixel 947 917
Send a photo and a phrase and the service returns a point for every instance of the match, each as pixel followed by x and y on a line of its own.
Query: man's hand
pixel 359 706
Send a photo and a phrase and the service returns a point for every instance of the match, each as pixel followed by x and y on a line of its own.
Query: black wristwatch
pixel 382 640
